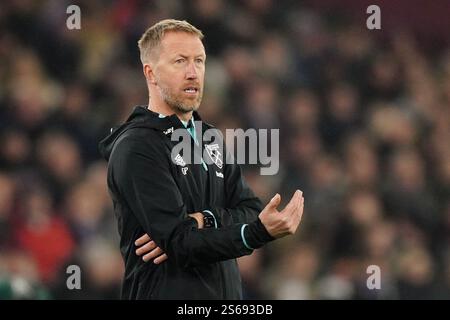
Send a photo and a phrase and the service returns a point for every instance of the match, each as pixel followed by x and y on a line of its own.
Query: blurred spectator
pixel 302 111
pixel 73 118
pixel 103 269
pixel 7 191
pixel 416 274
pixel 85 212
pixel 364 123
pixel 19 278
pixel 60 160
pixel 250 268
pixel 16 151
pixel 361 162
pixel 43 235
pixel 337 283
pixel 298 270
pixel 406 192
pixel 342 115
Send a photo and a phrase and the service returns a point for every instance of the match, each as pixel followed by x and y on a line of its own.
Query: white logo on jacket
pixel 170 130
pixel 219 174
pixel 214 154
pixel 179 160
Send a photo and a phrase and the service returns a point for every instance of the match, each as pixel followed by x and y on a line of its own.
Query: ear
pixel 148 73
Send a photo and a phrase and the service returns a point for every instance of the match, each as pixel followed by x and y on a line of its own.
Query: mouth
pixel 191 90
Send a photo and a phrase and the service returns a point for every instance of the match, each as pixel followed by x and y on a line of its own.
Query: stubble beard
pixel 177 103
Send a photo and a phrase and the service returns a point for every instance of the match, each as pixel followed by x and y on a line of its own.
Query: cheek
pixel 169 80
pixel 201 75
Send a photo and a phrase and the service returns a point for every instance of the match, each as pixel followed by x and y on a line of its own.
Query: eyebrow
pixel 185 56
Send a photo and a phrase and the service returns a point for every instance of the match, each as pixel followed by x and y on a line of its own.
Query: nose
pixel 191 72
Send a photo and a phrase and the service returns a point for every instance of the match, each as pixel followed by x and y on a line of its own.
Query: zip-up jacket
pixel 153 192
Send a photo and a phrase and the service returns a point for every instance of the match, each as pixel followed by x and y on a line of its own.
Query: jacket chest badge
pixel 214 154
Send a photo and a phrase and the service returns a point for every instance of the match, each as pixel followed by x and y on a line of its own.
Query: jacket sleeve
pixel 241 204
pixel 141 174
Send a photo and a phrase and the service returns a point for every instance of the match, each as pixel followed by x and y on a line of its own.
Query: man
pixel 196 218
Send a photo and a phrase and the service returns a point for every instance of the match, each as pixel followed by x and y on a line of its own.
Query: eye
pixel 199 60
pixel 180 60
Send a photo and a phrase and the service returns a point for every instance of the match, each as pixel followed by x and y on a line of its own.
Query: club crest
pixel 214 154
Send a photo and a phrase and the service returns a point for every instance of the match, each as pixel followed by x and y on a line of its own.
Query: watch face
pixel 208 222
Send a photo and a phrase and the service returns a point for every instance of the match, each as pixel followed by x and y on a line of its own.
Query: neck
pixel 166 110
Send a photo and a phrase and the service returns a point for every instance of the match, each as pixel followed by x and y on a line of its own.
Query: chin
pixel 189 108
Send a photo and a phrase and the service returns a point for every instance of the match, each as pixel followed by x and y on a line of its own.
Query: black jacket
pixel 154 194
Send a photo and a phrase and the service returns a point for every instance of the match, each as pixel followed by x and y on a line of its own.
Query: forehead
pixel 176 42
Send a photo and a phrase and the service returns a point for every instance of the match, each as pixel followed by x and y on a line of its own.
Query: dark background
pixel 364 119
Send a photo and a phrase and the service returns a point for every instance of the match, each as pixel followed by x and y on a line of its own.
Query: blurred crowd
pixel 364 127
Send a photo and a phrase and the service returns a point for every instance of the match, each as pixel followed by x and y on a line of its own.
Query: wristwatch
pixel 208 221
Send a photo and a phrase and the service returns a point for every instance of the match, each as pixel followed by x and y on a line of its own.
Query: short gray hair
pixel 151 39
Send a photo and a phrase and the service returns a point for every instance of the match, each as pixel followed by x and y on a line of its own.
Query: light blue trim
pixel 161 115
pixel 243 237
pixel 193 134
pixel 196 141
pixel 204 165
pixel 215 221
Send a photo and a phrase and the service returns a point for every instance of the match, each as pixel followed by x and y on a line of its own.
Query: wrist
pixel 209 220
pixel 198 216
pixel 256 234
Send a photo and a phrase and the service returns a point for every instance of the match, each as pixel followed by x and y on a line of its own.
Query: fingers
pixel 153 254
pixel 146 248
pixel 300 203
pixel 274 202
pixel 299 212
pixel 295 211
pixel 144 239
pixel 160 259
pixel 293 203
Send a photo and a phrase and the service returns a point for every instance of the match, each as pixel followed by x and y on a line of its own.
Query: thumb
pixel 274 202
